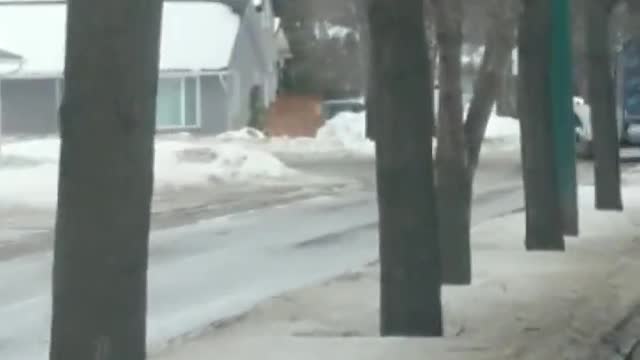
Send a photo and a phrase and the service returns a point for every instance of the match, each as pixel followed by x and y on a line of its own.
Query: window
pixel 176 103
pixel 169 104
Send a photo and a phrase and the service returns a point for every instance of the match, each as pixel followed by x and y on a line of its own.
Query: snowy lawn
pixel 29 168
pixel 539 305
pixel 29 172
pixel 503 133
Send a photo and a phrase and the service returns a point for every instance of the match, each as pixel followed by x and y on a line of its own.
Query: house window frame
pixel 59 92
pixel 183 102
pixel 233 92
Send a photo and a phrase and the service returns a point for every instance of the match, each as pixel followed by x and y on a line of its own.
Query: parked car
pixel 331 108
pixel 584 134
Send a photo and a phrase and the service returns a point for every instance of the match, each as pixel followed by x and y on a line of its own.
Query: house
pixel 219 63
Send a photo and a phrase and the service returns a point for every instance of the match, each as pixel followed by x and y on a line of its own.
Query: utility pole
pixel 562 109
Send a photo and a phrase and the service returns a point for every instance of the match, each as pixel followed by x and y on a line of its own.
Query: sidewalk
pixel 520 306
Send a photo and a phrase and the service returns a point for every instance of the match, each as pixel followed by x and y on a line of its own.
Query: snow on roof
pixel 37 33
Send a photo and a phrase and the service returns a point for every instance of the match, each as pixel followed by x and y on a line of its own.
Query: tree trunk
pixel 505 98
pixel 452 176
pixel 494 69
pixel 603 113
pixel 432 48
pixel 370 126
pixel 633 6
pixel 106 179
pixel 410 302
pixel 544 227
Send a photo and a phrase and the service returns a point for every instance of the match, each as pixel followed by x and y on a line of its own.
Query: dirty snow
pixel 341 136
pixel 29 171
pixel 539 305
pixel 502 133
pixel 347 130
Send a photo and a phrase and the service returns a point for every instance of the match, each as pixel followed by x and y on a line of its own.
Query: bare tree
pixel 400 104
pixel 106 179
pixel 452 174
pixel 603 113
pixel 543 218
pixel 500 41
pixel 459 143
pixel 633 7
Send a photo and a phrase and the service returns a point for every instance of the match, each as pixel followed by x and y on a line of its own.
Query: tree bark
pixel 603 112
pixel 543 218
pixel 410 302
pixel 494 69
pixel 505 98
pixel 633 6
pixel 452 175
pixel 106 179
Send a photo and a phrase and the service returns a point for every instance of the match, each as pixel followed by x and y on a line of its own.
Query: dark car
pixel 331 108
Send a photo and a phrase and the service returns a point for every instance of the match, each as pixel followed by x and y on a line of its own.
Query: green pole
pixel 562 111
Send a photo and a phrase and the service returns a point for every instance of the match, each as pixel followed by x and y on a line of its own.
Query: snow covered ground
pixel 30 172
pixel 29 168
pixel 217 268
pixel 344 137
pixel 543 305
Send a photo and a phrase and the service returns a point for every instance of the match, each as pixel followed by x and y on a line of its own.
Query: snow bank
pixel 343 135
pixel 502 128
pixel 180 164
pixel 502 133
pixel 347 130
pixel 245 134
pixel 29 170
pixel 31 186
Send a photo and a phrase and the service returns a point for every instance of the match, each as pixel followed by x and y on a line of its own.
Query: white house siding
pixel 253 63
pixel 245 71
pixel 262 24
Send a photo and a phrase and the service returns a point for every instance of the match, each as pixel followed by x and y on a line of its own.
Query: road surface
pixel 214 269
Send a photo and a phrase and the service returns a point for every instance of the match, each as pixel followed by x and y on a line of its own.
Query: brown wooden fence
pixel 294 116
